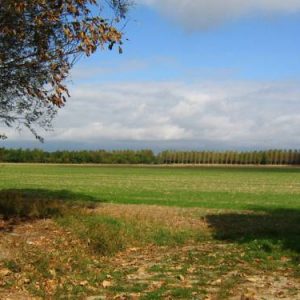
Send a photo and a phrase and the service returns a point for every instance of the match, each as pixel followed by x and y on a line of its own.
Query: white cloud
pixel 234 113
pixel 202 14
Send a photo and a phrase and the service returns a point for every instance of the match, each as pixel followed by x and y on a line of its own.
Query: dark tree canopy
pixel 40 40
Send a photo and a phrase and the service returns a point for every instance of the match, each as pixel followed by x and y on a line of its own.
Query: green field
pixel 233 188
pixel 125 232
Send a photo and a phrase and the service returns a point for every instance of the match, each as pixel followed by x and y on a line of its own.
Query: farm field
pixel 108 232
pixel 210 187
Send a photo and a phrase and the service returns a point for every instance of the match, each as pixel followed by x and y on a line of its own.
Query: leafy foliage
pixel 269 157
pixel 100 156
pixel 39 43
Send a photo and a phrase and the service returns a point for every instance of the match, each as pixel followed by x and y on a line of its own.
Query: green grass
pixel 108 235
pixel 222 188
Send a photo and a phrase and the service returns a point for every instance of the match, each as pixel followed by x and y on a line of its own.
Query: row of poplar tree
pixel 273 157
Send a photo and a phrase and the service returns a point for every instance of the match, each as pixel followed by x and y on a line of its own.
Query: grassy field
pixel 232 188
pixel 90 232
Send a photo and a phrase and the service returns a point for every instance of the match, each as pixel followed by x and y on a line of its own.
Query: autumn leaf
pixel 106 284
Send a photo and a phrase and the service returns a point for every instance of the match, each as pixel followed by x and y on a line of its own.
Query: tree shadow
pixel 26 204
pixel 279 226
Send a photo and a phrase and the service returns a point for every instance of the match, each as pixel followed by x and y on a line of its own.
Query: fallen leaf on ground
pixel 216 282
pixel 181 277
pixel 83 283
pixel 4 272
pixel 248 296
pixel 252 279
pixel 157 284
pixel 106 283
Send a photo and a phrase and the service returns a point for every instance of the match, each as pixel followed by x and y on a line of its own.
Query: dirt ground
pixel 22 241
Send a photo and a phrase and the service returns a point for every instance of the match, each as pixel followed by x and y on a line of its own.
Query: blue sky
pixel 193 74
pixel 253 47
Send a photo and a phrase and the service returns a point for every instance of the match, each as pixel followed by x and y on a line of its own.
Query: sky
pixel 194 74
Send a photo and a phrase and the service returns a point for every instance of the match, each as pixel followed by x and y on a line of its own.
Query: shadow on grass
pixel 273 227
pixel 40 203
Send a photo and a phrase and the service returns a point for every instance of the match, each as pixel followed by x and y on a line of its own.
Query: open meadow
pixel 152 232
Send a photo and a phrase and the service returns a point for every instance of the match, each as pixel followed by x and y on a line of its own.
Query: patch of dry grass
pixel 147 252
pixel 172 217
pixel 50 262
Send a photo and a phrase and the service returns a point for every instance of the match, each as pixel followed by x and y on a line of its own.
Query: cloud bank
pixel 232 113
pixel 203 14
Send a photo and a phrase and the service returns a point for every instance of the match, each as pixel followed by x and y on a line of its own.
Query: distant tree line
pixel 269 157
pixel 77 157
pixel 272 157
